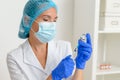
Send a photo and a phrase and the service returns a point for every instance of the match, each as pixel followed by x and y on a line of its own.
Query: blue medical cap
pixel 32 10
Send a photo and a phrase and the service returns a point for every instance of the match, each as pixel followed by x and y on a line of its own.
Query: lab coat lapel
pixel 51 57
pixel 29 56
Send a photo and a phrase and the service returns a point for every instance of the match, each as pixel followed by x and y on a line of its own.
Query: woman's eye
pixel 55 20
pixel 45 20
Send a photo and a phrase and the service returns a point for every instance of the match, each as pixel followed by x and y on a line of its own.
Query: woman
pixel 40 57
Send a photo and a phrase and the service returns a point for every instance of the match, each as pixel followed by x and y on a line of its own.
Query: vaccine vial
pixel 83 38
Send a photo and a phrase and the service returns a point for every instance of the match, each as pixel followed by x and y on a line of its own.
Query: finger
pixel 84 56
pixel 70 61
pixel 69 71
pixel 89 50
pixel 86 53
pixel 69 56
pixel 87 56
pixel 70 64
pixel 88 38
pixel 83 44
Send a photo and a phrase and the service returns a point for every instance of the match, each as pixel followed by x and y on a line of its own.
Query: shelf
pixel 108 31
pixel 113 70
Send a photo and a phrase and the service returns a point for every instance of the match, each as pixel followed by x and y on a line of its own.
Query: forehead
pixel 50 12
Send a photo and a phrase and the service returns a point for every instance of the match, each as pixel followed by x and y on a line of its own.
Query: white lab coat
pixel 23 64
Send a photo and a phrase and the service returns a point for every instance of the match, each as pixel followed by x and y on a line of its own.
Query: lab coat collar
pixel 31 59
pixel 29 56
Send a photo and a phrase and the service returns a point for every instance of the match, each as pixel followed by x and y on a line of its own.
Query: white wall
pixel 84 23
pixel 65 19
pixel 10 17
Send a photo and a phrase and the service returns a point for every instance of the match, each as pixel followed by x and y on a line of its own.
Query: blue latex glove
pixel 64 69
pixel 84 52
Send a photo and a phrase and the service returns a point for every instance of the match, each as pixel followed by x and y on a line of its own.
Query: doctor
pixel 40 57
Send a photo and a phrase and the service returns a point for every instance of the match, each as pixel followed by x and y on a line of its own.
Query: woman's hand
pixel 84 52
pixel 64 69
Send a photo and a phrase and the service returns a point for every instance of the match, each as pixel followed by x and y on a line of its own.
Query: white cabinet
pixel 110 6
pixel 109 23
pixel 102 19
pixel 110 14
pixel 108 53
pixel 108 40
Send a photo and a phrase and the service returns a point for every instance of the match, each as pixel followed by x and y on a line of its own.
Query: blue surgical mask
pixel 46 32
